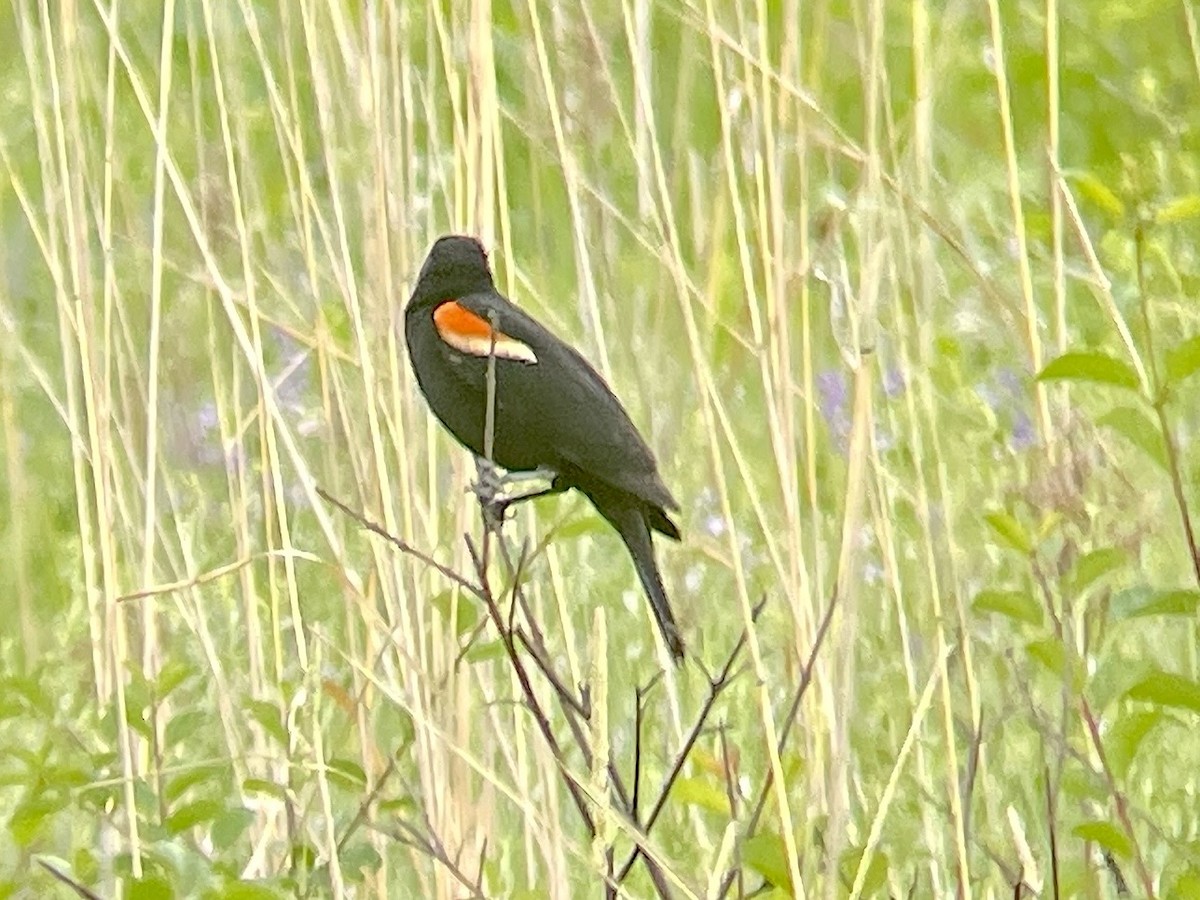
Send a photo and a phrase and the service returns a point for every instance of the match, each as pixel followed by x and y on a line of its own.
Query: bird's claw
pixel 494 511
pixel 490 488
pixel 489 483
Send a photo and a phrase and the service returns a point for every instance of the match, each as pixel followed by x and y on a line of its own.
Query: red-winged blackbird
pixel 552 412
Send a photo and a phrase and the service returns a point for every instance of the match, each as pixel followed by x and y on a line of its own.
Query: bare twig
pixel 1114 870
pixel 402 545
pixel 1159 401
pixel 213 574
pixel 79 888
pixel 635 814
pixel 1118 796
pixel 788 721
pixel 531 701
pixel 1052 827
pixel 364 807
pixel 731 794
pixel 968 786
pixel 576 707
pixel 425 841
pixel 716 686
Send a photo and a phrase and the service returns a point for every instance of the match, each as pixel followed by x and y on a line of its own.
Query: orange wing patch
pixel 469 333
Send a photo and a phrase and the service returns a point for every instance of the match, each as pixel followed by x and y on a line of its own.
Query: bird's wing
pixel 565 402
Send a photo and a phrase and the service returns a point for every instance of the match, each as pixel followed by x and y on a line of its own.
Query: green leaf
pixel 482 651
pixel 359 859
pixel 303 855
pixel 267 715
pixel 1107 835
pixel 1050 525
pixel 1122 741
pixel 1186 886
pixel 99 796
pixel 397 805
pixel 10 707
pixel 347 773
pixel 192 814
pixel 702 793
pixel 135 718
pixel 1009 530
pixel 1091 366
pixel 66 777
pixel 877 871
pixel 1100 194
pixel 1091 567
pixel 1140 430
pixel 468 612
pixel 1081 784
pixel 1052 653
pixel 18 687
pixel 1113 677
pixel 1182 602
pixel 151 887
pixel 176 787
pixel 1183 360
pixel 1178 210
pixel 766 854
pixel 1019 605
pixel 250 890
pixel 183 725
pixel 85 865
pixel 1167 689
pixel 1049 652
pixel 264 786
pixel 229 826
pixel 173 674
pixel 1127 601
pixel 31 816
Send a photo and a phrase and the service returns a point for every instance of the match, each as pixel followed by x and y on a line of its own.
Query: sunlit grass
pixel 819 250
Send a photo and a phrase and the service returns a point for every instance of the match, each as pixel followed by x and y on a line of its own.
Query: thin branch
pixel 364 808
pixel 640 693
pixel 1119 800
pixel 1052 827
pixel 531 701
pixel 788 721
pixel 214 574
pixel 716 686
pixel 731 794
pixel 429 844
pixel 78 887
pixel 402 545
pixel 968 787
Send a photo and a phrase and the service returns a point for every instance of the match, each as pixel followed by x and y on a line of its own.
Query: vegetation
pixel 904 295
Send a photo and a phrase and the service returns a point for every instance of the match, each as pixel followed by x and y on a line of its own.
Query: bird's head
pixel 457 265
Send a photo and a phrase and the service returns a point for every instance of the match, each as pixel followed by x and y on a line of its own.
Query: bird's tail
pixel 630 522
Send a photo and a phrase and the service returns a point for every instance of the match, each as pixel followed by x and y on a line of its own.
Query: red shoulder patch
pixel 454 318
pixel 470 333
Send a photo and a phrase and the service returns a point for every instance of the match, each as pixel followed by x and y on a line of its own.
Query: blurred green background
pixel 903 295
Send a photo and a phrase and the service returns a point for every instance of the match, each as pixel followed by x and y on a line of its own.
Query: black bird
pixel 553 412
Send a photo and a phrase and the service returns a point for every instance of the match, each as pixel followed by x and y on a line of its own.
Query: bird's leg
pixel 556 487
pixel 491 485
pixel 541 473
